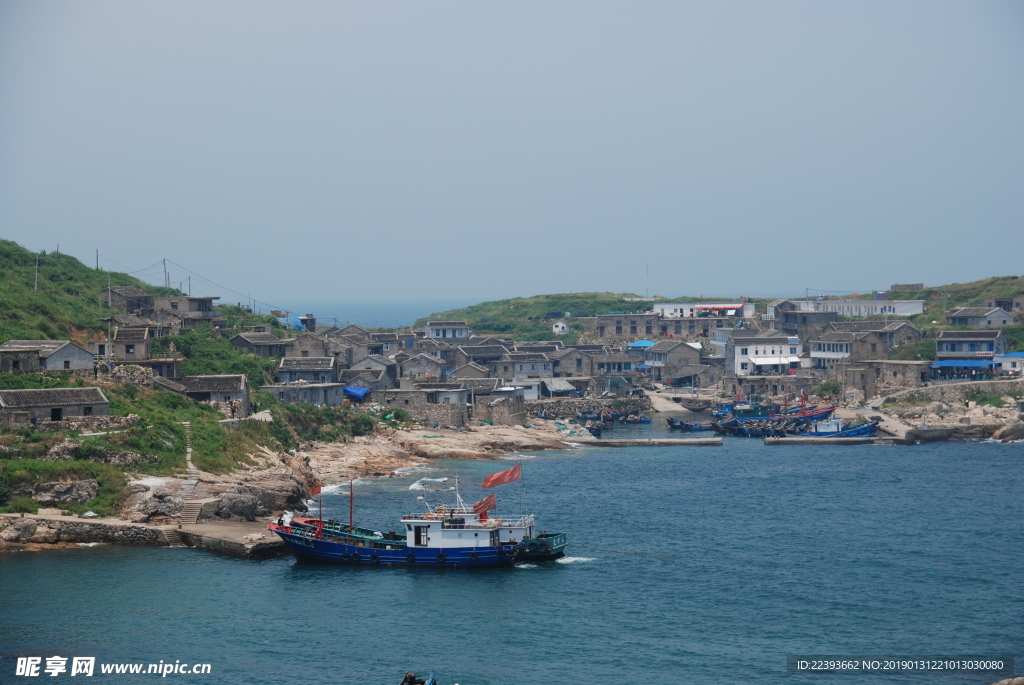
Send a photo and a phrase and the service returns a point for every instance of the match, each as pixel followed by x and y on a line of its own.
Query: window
pixel 792 350
pixel 103 350
pixel 445 400
pixel 174 305
pixel 67 364
pixel 743 366
pixel 632 330
pixel 600 331
pixel 129 349
pixel 618 330
pixel 650 329
pixel 504 368
pixel 627 366
pixel 227 398
pixel 874 347
pixel 743 351
pixel 305 353
pixel 86 411
pixel 579 363
pixel 679 328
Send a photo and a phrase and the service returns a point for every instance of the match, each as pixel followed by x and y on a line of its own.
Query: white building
pixel 686 310
pixel 762 355
pixel 446 329
pixel 863 307
pixel 560 327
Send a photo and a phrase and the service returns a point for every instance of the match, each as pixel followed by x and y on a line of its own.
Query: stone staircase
pixel 190 514
pixel 188 486
pixel 172 537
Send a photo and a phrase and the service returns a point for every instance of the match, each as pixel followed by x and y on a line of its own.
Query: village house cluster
pixel 446 374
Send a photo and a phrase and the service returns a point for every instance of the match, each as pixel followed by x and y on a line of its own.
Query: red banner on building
pixel 496 479
pixel 488 503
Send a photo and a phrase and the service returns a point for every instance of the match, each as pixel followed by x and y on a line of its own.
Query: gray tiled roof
pixel 45 347
pixel 128 291
pixel 969 335
pixel 226 383
pixel 50 397
pixel 972 311
pixel 307 363
pixel 131 335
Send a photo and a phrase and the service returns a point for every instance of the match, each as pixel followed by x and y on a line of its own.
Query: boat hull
pixel 545 547
pixel 448 557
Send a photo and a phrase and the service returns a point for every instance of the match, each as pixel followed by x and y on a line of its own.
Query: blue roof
pixel 642 343
pixel 961 363
pixel 358 393
pixel 1011 354
pixel 643 366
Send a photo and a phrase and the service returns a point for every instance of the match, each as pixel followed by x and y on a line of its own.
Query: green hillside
pixel 65 306
pixel 522 318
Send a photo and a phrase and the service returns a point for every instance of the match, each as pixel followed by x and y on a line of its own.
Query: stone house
pixel 445 330
pixel 969 345
pixel 667 357
pixel 55 404
pixel 479 354
pixel 422 366
pixel 377 362
pixel 571 362
pixel 34 356
pixel 423 406
pixel 135 346
pixel 803 324
pixel 894 333
pixel 309 369
pixel 230 389
pixel 979 317
pixel 829 350
pixel 1013 305
pixel 374 379
pixel 471 370
pixel 126 298
pixel 393 342
pixel 324 394
pixel 262 344
pixel 625 326
pixel 190 311
pixel 308 345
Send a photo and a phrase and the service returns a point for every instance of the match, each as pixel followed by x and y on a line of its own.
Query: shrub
pixel 829 389
pixel 5 493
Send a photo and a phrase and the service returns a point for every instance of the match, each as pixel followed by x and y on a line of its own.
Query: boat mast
pixel 351 498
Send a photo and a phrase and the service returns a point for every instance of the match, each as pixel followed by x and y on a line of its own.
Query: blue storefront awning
pixel 358 393
pixel 962 363
pixel 641 344
pixel 643 366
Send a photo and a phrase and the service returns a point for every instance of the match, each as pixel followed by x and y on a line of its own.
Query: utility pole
pixel 97 259
pixel 190 286
pixel 648 280
pixel 167 282
pixel 36 287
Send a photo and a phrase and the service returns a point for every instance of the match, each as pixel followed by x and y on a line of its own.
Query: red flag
pixel 316 490
pixel 488 503
pixel 496 479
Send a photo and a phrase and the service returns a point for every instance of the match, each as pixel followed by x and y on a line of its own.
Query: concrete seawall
pixel 659 442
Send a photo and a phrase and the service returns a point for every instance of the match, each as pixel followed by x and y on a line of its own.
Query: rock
pixel 44 534
pixel 1010 432
pixel 130 373
pixel 1010 681
pixel 276 492
pixel 21 530
pixel 135 488
pixel 238 506
pixel 164 501
pixel 936 407
pixel 74 492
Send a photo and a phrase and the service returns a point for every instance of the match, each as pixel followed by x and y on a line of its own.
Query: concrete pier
pixel 835 441
pixel 240 539
pixel 659 442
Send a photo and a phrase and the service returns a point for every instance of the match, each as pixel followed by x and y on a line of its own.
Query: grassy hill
pixel 522 318
pixel 66 305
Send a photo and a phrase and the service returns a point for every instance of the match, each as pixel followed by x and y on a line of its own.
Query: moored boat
pixel 544 547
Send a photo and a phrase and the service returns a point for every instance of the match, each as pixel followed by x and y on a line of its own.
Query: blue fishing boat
pixel 676 424
pixel 837 428
pixel 456 536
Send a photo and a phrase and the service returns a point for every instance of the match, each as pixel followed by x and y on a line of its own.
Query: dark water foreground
pixel 773 551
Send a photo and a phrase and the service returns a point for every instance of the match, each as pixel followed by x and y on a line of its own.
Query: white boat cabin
pixel 463 528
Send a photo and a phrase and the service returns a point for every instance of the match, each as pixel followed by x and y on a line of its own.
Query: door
pixel 56 414
pixel 495 540
pixel 422 536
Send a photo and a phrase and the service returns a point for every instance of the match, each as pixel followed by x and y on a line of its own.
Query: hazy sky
pixel 476 150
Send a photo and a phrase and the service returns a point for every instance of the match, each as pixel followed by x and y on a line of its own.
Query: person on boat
pixel 411 679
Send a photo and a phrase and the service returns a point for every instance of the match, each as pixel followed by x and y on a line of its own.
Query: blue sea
pixel 688 565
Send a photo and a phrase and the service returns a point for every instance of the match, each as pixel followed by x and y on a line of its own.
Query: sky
pixel 386 151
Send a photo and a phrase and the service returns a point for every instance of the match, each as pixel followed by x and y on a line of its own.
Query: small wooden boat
pixel 693 404
pixel 676 424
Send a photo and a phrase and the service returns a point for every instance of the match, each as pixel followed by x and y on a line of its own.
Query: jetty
pixel 801 440
pixel 658 442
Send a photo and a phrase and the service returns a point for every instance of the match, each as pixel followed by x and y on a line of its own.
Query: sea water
pixel 685 565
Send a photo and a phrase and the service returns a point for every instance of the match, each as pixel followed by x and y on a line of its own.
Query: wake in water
pixel 574 560
pixel 419 485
